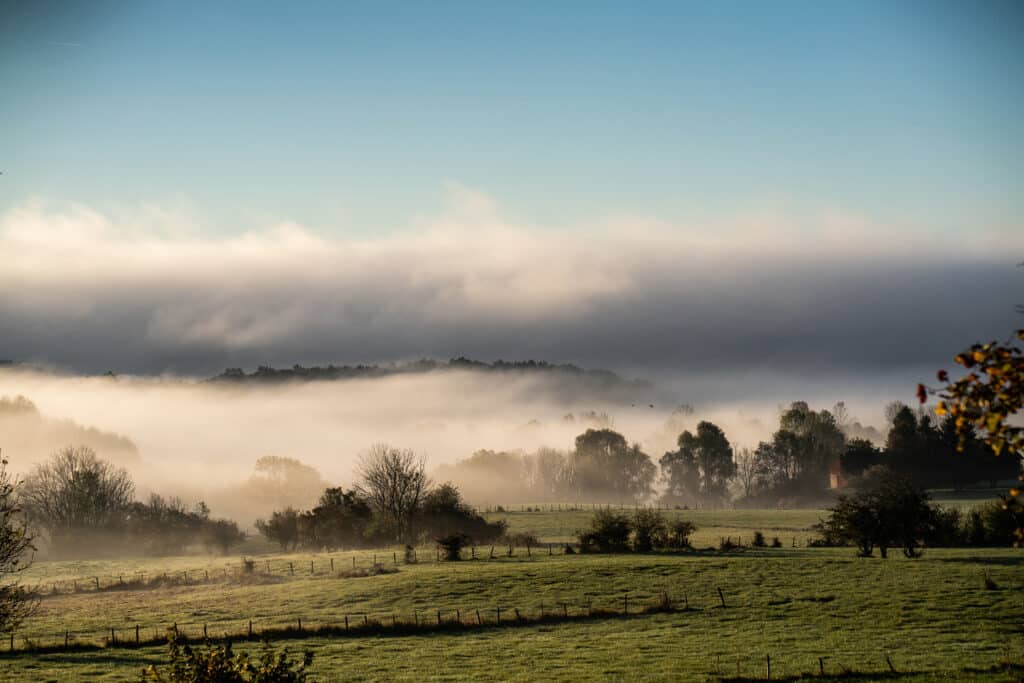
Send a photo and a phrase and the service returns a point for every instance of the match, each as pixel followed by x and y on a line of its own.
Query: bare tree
pixel 16 601
pixel 394 481
pixel 747 471
pixel 75 493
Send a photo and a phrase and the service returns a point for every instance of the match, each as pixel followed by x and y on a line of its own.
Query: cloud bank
pixel 146 293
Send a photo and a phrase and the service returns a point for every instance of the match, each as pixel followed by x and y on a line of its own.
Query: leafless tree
pixel 394 481
pixel 75 493
pixel 747 471
pixel 16 601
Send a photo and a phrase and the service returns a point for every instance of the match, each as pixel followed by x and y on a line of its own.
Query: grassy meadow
pixel 933 618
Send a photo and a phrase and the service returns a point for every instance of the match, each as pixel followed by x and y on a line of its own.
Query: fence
pixel 355 624
pixel 337 563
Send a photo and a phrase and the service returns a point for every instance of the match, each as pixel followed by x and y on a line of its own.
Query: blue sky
pixel 797 188
pixel 350 117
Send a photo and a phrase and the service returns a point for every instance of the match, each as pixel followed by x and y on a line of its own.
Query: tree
pixel 16 601
pixel 283 482
pixel 702 466
pixel 606 466
pixel 748 472
pixel 75 496
pixel 394 481
pixel 986 398
pixel 859 455
pixel 443 514
pixel 802 452
pixel 282 528
pixel 341 519
pixel 221 534
pixel 887 510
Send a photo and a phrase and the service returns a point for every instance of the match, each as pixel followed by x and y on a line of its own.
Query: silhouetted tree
pixel 394 482
pixel 701 467
pixel 282 528
pixel 605 466
pixel 16 601
pixel 75 495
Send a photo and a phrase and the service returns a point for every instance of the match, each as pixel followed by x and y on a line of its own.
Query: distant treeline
pixel 807 456
pixel 595 379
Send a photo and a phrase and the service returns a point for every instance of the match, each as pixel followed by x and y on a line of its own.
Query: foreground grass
pixel 931 616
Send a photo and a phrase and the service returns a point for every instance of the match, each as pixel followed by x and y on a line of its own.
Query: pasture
pixel 808 609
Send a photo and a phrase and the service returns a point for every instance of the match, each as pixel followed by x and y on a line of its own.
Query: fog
pixel 199 439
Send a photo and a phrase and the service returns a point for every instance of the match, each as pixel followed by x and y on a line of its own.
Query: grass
pixel 933 617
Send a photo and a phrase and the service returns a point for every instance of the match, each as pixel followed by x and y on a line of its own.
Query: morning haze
pixel 576 341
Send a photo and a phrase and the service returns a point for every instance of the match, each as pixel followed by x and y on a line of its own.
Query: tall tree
pixel 76 495
pixel 16 601
pixel 702 465
pixel 607 468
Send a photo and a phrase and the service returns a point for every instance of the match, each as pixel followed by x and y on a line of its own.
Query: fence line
pixel 330 564
pixel 358 623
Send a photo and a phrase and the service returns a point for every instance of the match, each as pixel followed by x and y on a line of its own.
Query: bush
pixel 452 546
pixel 221 665
pixel 678 535
pixel 776 543
pixel 609 533
pixel 759 540
pixel 648 530
pixel 524 539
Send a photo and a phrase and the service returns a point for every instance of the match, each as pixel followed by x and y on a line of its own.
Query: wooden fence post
pixel 136 634
pixel 204 632
pixel 346 622
pixel 311 572
pixel 291 568
pixel 332 564
pixel 66 638
pixel 499 615
pixel 625 604
pixel 721 597
pixel 768 662
pixel 479 621
pixel 250 628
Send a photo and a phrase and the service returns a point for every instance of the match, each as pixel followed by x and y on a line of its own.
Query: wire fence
pixel 352 624
pixel 331 564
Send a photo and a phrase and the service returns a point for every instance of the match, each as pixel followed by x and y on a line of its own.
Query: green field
pixel 933 618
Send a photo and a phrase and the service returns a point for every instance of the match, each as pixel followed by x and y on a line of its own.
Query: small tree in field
pixel 221 534
pixel 16 602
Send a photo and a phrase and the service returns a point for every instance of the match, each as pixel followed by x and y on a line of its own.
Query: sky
pixel 726 189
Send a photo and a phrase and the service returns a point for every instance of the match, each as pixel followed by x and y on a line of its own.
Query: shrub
pixel 648 530
pixel 776 543
pixel 525 539
pixel 678 535
pixel 759 540
pixel 221 665
pixel 452 546
pixel 608 533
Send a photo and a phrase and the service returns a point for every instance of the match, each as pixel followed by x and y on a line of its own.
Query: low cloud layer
pixel 88 291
